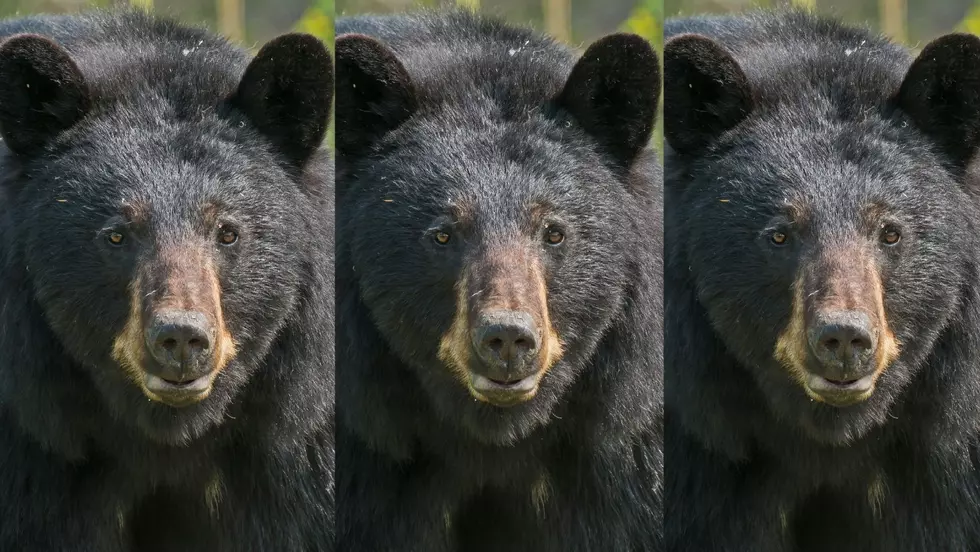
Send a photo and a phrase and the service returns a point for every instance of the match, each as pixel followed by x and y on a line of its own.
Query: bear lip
pixel 504 394
pixel 177 394
pixel 840 393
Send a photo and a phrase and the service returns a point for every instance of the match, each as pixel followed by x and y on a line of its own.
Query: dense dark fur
pixel 128 108
pixel 807 110
pixel 451 107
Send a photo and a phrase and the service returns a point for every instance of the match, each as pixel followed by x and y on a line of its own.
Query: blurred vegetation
pixel 914 22
pixel 252 22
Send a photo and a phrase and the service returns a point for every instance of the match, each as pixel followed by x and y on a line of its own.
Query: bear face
pixel 162 223
pixel 491 256
pixel 821 219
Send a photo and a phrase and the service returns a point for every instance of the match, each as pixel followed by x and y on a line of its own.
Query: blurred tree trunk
pixel 893 15
pixel 231 19
pixel 558 19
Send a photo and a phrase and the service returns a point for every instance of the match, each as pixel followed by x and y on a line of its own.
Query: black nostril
pixel 176 338
pixel 835 337
pixel 495 344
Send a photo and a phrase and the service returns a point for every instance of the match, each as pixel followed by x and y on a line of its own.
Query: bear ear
pixel 941 93
pixel 374 92
pixel 286 93
pixel 42 92
pixel 705 92
pixel 613 93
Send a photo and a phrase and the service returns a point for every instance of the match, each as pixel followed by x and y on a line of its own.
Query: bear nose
pixel 843 338
pixel 180 341
pixel 507 343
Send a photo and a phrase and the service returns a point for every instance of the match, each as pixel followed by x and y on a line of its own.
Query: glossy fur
pixel 445 113
pixel 124 109
pixel 769 110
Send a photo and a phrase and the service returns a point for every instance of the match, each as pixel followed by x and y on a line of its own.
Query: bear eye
pixel 890 235
pixel 442 238
pixel 554 237
pixel 778 238
pixel 115 239
pixel 228 236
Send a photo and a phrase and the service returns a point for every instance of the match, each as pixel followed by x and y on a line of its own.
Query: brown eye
pixel 442 238
pixel 890 236
pixel 778 238
pixel 228 237
pixel 115 238
pixel 555 237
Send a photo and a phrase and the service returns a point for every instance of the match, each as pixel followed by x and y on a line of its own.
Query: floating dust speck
pixel 62 200
pixel 387 200
pixel 725 200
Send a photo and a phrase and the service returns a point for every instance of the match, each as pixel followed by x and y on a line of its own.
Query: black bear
pixel 499 292
pixel 166 309
pixel 823 332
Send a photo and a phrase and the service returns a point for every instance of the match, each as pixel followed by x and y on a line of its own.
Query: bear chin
pixel 162 426
pixel 503 426
pixel 842 426
pixel 160 423
pixel 497 426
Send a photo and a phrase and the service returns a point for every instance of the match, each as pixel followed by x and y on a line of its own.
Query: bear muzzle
pixel 180 368
pixel 842 363
pixel 838 341
pixel 175 340
pixel 507 345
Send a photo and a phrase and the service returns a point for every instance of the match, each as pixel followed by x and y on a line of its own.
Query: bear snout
pixel 507 345
pixel 180 341
pixel 843 344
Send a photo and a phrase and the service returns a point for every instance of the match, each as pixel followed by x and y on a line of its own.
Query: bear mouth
pixel 503 393
pixel 839 393
pixel 177 393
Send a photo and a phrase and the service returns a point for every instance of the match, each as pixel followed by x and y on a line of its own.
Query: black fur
pixel 124 108
pixel 767 109
pixel 438 111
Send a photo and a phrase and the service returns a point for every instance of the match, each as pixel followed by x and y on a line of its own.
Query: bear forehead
pixel 163 179
pixel 490 185
pixel 787 146
pixel 490 152
pixel 195 72
pixel 818 179
pixel 818 84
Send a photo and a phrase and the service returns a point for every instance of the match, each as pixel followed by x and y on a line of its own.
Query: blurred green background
pixel 913 22
pixel 250 21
